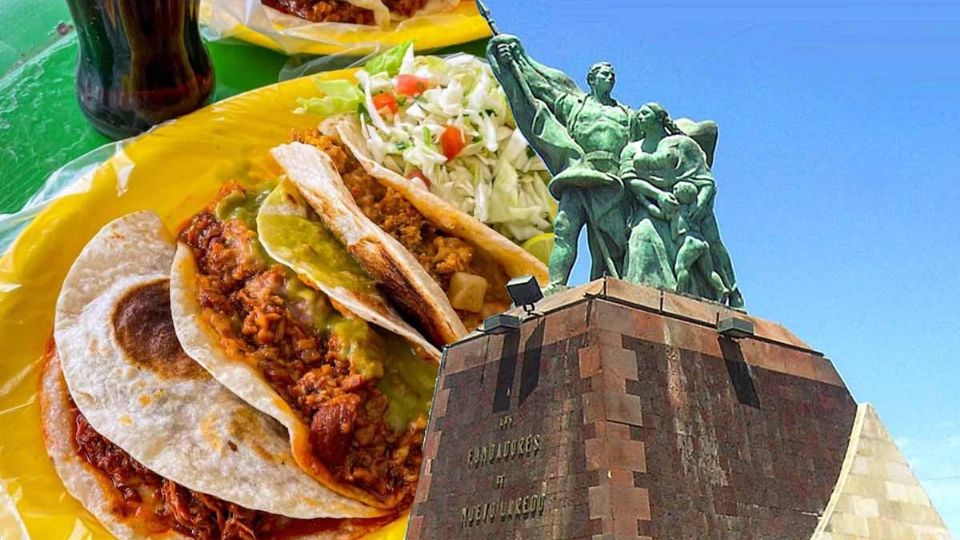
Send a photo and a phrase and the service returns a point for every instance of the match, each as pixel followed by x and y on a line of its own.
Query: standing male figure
pixel 579 136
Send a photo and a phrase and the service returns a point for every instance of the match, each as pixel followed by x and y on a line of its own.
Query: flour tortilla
pixel 139 390
pixel 202 342
pixel 83 481
pixel 515 260
pixel 92 488
pixel 371 307
pixel 394 268
pixel 432 7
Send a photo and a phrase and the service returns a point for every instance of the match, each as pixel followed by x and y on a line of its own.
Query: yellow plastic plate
pixel 174 170
pixel 250 21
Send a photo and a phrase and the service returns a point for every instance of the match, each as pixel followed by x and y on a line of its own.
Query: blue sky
pixel 838 172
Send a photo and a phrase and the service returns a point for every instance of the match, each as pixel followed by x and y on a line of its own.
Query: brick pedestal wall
pixel 618 412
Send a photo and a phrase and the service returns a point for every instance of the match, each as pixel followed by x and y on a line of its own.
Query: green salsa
pixel 361 344
pixel 293 234
pixel 311 303
pixel 244 205
pixel 408 382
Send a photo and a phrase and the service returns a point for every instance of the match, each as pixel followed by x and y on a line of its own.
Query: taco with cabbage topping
pixel 456 262
pixel 277 310
pixel 146 439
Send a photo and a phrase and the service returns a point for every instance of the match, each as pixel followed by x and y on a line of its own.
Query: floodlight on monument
pixel 525 292
pixel 501 323
pixel 735 327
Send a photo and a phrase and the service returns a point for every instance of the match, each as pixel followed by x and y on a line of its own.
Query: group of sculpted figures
pixel 639 182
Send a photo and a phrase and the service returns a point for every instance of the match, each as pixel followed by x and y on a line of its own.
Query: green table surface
pixel 41 126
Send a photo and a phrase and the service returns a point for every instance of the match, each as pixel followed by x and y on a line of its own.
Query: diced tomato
pixel 386 101
pixel 451 142
pixel 410 85
pixel 418 174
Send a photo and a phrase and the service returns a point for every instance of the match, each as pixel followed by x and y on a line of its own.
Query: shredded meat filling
pixel 340 10
pixel 166 505
pixel 405 8
pixel 441 254
pixel 243 296
pixel 323 10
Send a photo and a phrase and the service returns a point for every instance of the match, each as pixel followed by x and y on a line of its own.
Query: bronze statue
pixel 580 136
pixel 673 229
pixel 639 182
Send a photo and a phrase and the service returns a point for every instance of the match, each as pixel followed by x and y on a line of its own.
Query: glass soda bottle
pixel 141 62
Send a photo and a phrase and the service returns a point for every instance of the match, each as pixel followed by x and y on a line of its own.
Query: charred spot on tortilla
pixel 396 286
pixel 144 329
pixel 239 427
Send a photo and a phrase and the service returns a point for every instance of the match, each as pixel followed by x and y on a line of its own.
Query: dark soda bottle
pixel 141 62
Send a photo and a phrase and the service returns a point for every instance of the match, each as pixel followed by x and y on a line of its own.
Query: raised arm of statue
pixel 534 92
pixel 540 85
pixel 551 86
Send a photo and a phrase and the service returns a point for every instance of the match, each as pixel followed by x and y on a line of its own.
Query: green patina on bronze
pixel 639 182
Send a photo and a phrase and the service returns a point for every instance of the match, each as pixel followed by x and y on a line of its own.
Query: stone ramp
pixel 877 495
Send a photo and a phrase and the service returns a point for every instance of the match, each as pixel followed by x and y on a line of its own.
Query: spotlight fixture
pixel 525 291
pixel 735 328
pixel 501 324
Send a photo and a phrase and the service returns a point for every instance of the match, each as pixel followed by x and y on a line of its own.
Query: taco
pixel 444 122
pixel 366 12
pixel 145 438
pixel 277 310
pixel 457 263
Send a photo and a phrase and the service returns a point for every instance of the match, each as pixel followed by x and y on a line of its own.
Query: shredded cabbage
pixel 495 176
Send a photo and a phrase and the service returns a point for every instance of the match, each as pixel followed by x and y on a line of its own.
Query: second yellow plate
pixel 249 21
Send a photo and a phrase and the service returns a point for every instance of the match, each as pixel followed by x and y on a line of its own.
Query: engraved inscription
pixel 528 507
pixel 500 452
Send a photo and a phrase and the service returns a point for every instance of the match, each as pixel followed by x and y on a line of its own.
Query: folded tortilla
pixel 389 256
pixel 387 359
pixel 288 235
pixel 515 260
pixel 408 285
pixel 83 481
pixel 132 382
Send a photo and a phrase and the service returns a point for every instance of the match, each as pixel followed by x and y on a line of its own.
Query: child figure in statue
pixel 694 250
pixel 674 243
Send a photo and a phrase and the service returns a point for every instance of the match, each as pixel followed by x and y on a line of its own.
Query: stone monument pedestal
pixel 620 412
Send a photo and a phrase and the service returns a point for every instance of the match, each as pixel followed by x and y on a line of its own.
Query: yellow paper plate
pixel 250 21
pixel 174 170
